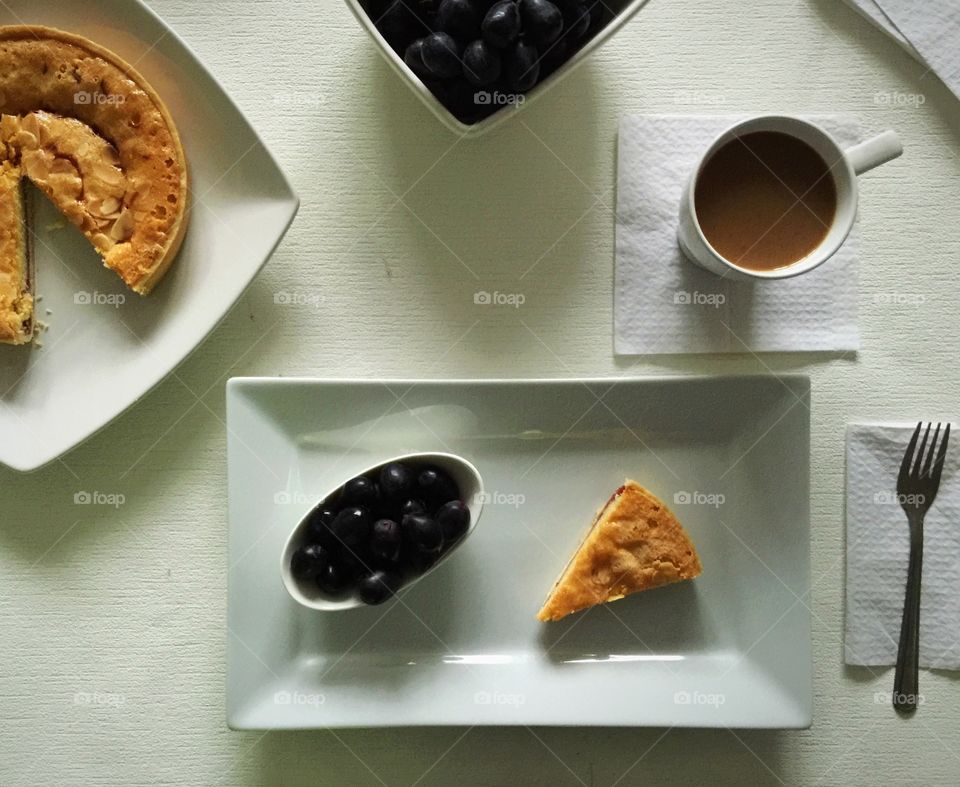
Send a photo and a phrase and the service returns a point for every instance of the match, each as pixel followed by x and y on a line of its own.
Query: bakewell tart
pixel 635 543
pixel 88 131
pixel 16 302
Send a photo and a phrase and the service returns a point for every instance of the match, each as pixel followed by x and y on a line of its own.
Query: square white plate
pixel 98 357
pixel 730 649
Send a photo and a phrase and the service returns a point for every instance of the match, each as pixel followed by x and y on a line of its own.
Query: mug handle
pixel 874 152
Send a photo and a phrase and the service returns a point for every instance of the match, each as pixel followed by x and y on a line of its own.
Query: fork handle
pixel 906 680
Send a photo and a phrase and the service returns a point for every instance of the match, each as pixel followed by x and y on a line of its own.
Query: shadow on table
pixel 574 638
pixel 519 756
pixel 737 363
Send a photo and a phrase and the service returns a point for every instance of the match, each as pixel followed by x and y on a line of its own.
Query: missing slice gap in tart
pixel 634 544
pixel 89 132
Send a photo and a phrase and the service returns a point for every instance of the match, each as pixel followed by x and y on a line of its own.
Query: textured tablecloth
pixel 112 632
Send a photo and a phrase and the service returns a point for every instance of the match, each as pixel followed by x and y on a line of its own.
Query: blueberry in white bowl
pixel 398 481
pixel 482 63
pixel 502 24
pixel 386 541
pixel 381 530
pixel 441 53
pixel 465 52
pixel 460 18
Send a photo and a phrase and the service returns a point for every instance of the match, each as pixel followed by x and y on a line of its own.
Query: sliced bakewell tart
pixel 635 543
pixel 91 134
pixel 16 300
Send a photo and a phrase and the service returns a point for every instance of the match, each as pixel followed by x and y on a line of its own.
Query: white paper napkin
pixel 873 12
pixel 928 30
pixel 663 303
pixel 933 28
pixel 878 548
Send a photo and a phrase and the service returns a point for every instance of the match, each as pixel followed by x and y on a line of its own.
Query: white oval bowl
pixel 625 9
pixel 468 481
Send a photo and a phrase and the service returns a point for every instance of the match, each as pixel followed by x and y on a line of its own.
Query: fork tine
pixel 941 456
pixel 925 473
pixel 923 445
pixel 908 455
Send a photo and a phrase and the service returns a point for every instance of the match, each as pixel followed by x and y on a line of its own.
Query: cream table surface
pixel 400 224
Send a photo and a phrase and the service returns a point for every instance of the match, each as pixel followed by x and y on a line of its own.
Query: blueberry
pixel 459 18
pixel 397 23
pixel 502 24
pixel 397 481
pixel 323 514
pixel 356 561
pixel 423 532
pixel 334 578
pixel 522 66
pixel 377 587
pixel 454 519
pixel 576 20
pixel 542 20
pixel 441 55
pixel 436 487
pixel 360 491
pixel 420 562
pixel 308 561
pixel 351 528
pixel 481 63
pixel 318 526
pixel 385 540
pixel 413 57
pixel 412 506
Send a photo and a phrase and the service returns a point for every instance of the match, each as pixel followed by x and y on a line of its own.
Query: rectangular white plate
pixel 730 649
pixel 106 346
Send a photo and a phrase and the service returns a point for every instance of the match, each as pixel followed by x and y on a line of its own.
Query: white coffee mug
pixel 844 165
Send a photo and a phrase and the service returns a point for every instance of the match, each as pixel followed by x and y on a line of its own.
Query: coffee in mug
pixel 774 196
pixel 765 200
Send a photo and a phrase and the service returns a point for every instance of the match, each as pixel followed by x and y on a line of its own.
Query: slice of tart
pixel 635 543
pixel 16 302
pixel 88 130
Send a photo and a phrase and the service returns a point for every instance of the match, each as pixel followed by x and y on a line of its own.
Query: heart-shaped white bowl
pixel 468 481
pixel 623 11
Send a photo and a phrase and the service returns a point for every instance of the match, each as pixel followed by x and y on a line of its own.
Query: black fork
pixel 917 487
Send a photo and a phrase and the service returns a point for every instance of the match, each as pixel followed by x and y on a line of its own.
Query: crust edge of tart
pixel 150 278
